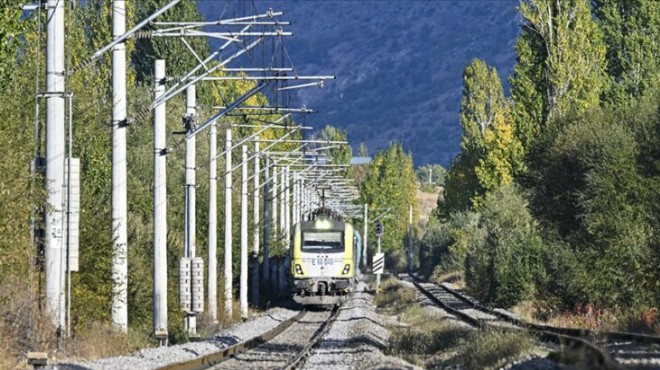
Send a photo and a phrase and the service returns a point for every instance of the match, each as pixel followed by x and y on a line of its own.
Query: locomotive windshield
pixel 322 241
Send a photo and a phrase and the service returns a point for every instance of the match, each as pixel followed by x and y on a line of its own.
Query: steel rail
pixel 206 361
pixel 545 333
pixel 299 360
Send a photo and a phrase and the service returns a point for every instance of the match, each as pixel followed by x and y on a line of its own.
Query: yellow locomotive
pixel 324 256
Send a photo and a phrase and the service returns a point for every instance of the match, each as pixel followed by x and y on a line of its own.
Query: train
pixel 324 258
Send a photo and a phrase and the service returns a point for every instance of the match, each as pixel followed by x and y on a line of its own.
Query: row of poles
pixel 296 198
pixel 55 167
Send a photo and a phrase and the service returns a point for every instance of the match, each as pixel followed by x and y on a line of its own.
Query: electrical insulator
pixel 185 285
pixel 197 284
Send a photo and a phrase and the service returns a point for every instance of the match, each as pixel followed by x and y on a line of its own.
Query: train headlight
pixel 347 269
pixel 299 270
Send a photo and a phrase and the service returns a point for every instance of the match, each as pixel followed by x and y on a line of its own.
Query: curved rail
pixel 605 336
pixel 571 338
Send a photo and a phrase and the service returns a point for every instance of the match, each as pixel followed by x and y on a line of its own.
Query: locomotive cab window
pixel 326 241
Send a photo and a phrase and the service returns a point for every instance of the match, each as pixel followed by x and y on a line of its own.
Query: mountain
pixel 398 64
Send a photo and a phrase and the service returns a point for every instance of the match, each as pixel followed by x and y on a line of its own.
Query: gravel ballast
pixel 151 358
pixel 356 340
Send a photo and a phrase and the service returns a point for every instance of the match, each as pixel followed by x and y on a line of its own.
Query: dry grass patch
pixel 493 347
pixel 435 343
pixel 394 297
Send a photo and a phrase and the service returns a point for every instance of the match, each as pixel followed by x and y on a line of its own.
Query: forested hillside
pixel 398 64
pixel 553 199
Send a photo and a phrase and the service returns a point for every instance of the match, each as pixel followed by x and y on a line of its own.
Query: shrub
pixel 446 243
pixel 508 266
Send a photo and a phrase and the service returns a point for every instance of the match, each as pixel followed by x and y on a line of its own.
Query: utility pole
pixel 228 226
pixel 55 100
pixel 410 238
pixel 190 199
pixel 287 208
pixel 255 220
pixel 275 214
pixel 267 221
pixel 244 234
pixel 119 177
pixel 160 208
pixel 213 227
pixel 365 236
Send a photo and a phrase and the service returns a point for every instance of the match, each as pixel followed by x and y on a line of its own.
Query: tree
pixel 561 64
pixel 507 266
pixel 11 28
pixel 391 185
pixel 631 31
pixel 482 99
pixel 503 154
pixel 179 60
pixel 435 171
pixel 591 190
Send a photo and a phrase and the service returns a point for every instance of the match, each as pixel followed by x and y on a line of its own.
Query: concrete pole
pixel 213 224
pixel 244 234
pixel 365 236
pixel 190 198
pixel 296 198
pixel 160 207
pixel 267 202
pixel 255 221
pixel 274 202
pixel 55 85
pixel 287 207
pixel 228 226
pixel 410 239
pixel 119 178
pixel 282 225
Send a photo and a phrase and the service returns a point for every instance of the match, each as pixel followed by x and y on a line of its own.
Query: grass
pixel 431 342
pixel 493 347
pixel 394 297
pixel 641 320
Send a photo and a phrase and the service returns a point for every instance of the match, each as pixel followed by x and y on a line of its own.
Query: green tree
pixel 508 266
pixel 391 185
pixel 561 64
pixel 435 171
pixel 590 189
pixel 178 59
pixel 631 31
pixel 11 28
pixel 483 100
pixel 503 154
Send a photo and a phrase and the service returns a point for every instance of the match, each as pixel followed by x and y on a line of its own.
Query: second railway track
pixel 607 350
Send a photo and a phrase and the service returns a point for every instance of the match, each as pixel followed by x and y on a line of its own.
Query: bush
pixel 445 244
pixel 595 185
pixel 508 266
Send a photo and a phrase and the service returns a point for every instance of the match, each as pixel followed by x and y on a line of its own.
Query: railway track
pixel 606 350
pixel 285 347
